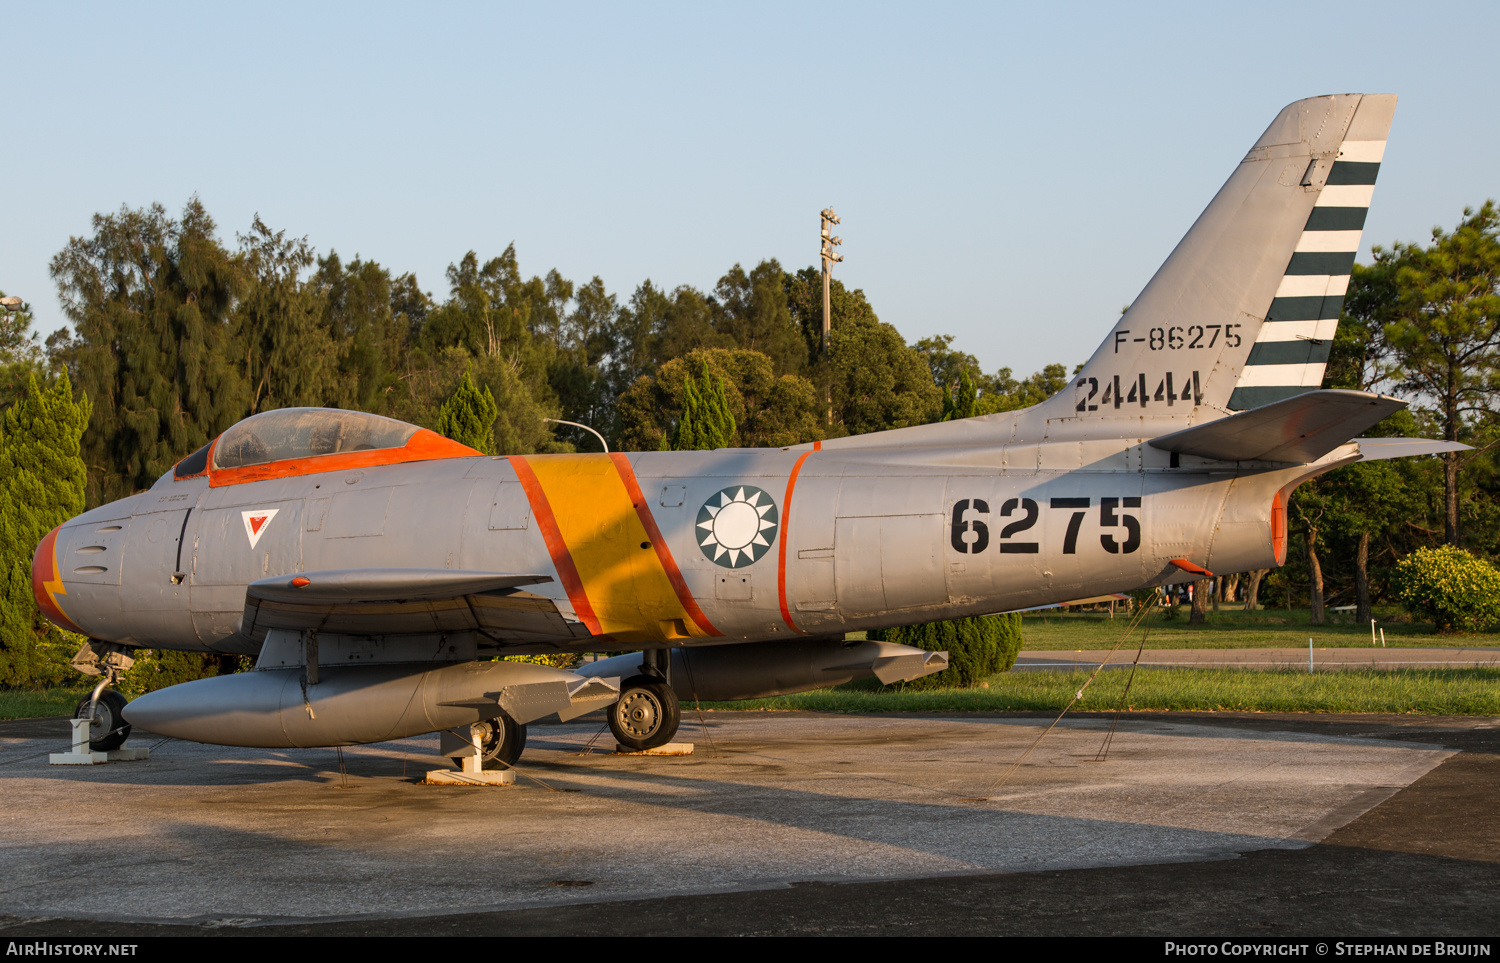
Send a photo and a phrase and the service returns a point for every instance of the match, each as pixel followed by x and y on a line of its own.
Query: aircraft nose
pixel 46 582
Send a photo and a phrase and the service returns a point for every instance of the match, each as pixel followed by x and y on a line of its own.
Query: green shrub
pixel 1449 587
pixel 977 647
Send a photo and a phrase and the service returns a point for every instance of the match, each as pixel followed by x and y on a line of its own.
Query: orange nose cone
pixel 46 583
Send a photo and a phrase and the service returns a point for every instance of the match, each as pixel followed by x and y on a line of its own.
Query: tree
pixel 877 381
pixel 150 298
pixel 768 412
pixel 289 356
pixel 20 355
pixel 1004 393
pixel 962 403
pixel 357 306
pixel 1441 320
pixel 977 647
pixel 468 417
pixel 946 364
pixel 706 422
pixel 1450 587
pixel 42 480
pixel 752 311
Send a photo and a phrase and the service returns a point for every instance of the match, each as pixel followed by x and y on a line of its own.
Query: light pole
pixel 830 258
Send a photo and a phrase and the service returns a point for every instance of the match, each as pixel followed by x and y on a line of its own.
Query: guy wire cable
pixel 1114 723
pixel 1135 622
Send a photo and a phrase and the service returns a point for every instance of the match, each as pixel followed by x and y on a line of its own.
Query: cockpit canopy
pixel 289 433
pixel 303 441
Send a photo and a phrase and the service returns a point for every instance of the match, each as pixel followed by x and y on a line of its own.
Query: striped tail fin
pixel 1243 311
pixel 1291 350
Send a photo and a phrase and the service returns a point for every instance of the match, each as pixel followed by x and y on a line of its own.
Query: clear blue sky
pixel 1009 174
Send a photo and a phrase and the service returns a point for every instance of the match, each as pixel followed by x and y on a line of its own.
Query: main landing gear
pixel 647 713
pixel 501 742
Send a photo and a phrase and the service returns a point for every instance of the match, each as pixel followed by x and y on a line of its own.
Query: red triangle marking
pixel 256 521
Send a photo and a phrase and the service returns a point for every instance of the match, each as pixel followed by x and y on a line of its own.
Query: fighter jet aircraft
pixel 375 570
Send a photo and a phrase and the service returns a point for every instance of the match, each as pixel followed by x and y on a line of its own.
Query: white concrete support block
pixel 80 754
pixel 670 749
pixel 447 777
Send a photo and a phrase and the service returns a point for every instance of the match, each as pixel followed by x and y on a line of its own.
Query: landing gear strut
pixel 647 713
pixel 108 730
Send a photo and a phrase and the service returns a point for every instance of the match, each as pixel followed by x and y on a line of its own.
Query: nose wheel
pixel 109 730
pixel 646 715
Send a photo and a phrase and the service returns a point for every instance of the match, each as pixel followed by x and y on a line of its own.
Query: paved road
pixel 797 823
pixel 1291 658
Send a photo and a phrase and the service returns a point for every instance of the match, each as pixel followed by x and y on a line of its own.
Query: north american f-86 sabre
pixel 374 569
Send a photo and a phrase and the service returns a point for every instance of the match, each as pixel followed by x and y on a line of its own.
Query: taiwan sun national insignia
pixel 737 525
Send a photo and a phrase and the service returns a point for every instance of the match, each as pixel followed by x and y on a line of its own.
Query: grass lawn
pixel 34 703
pixel 1420 691
pixel 1230 628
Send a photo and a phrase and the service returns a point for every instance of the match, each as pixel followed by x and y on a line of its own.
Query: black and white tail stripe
pixel 1292 348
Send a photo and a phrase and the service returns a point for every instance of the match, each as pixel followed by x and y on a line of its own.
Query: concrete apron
pixel 202 833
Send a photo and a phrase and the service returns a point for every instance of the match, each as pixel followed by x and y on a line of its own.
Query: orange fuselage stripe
pixel 562 560
pixel 425 445
pixel 786 520
pixel 595 524
pixel 663 551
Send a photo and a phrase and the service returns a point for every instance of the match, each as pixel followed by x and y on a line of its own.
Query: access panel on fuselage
pixel 233 546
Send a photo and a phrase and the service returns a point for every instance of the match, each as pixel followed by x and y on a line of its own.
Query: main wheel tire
pixel 109 729
pixel 647 714
pixel 504 743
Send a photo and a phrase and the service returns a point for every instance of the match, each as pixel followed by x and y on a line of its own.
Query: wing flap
pixel 1295 430
pixel 406 601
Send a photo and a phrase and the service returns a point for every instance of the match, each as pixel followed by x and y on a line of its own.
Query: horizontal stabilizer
pixel 1379 449
pixel 383 602
pixel 1297 430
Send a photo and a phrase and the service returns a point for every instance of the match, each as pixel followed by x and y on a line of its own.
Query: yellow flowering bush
pixel 1449 587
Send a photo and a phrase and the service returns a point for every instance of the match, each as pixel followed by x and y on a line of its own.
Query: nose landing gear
pixel 108 730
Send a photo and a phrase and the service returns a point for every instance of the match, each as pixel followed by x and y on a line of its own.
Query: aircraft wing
pixel 1296 430
pixel 407 601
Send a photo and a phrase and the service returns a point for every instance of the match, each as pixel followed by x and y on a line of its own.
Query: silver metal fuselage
pixel 872 536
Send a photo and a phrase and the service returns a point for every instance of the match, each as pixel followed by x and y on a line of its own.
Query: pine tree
pixel 706 422
pixel 964 403
pixel 469 416
pixel 42 482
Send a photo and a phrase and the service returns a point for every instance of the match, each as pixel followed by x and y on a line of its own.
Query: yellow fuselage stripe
pixel 626 585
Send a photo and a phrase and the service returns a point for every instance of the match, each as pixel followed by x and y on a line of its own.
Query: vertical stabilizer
pixel 1243 312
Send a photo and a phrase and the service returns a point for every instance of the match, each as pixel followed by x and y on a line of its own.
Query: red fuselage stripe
pixel 663 553
pixel 562 559
pixel 786 521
